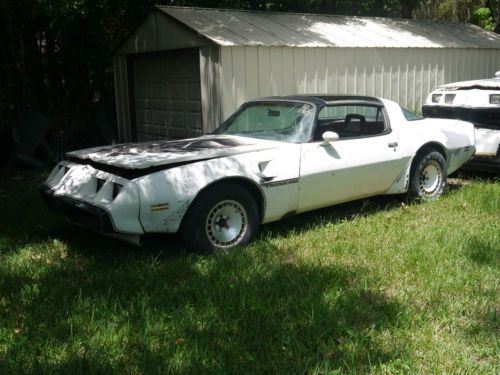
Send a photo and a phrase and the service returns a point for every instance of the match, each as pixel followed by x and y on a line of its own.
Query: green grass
pixel 372 286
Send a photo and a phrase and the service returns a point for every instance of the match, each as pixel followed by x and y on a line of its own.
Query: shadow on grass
pixel 476 176
pixel 107 306
pixel 483 252
pixel 229 313
pixel 460 178
pixel 486 326
pixel 332 215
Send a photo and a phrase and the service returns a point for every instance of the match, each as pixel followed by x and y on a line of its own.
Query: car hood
pixel 159 153
pixel 491 84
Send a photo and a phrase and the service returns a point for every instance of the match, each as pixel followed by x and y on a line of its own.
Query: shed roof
pixel 254 28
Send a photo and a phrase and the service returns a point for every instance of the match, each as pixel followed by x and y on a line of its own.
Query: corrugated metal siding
pixel 246 28
pixel 211 100
pixel 405 76
pixel 122 98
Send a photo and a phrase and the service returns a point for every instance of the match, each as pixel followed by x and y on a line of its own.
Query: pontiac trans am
pixel 273 158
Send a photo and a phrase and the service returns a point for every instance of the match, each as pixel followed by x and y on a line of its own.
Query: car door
pixel 356 165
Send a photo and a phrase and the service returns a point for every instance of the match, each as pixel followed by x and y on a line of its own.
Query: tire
pixel 428 176
pixel 221 217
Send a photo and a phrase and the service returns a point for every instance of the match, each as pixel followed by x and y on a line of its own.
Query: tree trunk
pixel 407 8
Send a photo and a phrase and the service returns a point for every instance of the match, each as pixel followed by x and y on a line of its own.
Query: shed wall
pixel 211 99
pixel 122 99
pixel 404 75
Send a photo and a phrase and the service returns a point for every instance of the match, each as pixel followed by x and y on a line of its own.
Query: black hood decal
pixel 179 147
pixel 183 148
pixel 130 174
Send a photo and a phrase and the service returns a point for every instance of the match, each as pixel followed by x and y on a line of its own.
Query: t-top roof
pixel 257 28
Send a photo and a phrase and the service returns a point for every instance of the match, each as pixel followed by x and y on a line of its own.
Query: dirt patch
pixel 457 182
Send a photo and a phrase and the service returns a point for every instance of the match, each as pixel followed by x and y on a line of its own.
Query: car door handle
pixel 393 144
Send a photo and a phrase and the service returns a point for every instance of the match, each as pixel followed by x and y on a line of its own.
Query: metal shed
pixel 184 70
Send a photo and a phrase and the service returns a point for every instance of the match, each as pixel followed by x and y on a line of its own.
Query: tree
pixel 483 13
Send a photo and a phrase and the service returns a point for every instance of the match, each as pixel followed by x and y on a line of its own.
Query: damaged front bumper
pixel 95 199
pixel 79 212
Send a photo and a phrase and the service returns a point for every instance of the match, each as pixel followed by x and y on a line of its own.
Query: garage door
pixel 167 95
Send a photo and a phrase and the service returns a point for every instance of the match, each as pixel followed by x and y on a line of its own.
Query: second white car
pixel 478 102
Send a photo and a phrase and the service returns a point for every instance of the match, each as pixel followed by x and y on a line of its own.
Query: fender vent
pixel 117 188
pixel 100 184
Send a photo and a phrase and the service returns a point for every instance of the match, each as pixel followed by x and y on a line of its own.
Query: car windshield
pixel 279 121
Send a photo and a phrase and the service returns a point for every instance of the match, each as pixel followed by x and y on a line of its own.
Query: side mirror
pixel 329 137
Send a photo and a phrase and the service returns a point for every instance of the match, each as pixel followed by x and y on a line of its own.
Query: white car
pixel 477 102
pixel 273 158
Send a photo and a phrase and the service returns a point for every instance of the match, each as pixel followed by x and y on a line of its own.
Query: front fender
pixel 165 196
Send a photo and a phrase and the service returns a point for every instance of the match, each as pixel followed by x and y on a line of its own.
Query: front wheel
pixel 221 217
pixel 428 176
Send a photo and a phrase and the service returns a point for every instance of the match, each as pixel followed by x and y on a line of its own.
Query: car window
pixel 340 111
pixel 410 116
pixel 351 120
pixel 289 122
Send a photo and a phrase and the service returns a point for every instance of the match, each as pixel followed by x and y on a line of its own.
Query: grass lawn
pixel 371 286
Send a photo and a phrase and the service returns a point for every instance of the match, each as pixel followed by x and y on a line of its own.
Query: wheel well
pixel 246 184
pixel 428 147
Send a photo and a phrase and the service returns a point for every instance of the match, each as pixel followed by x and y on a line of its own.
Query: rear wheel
pixel 428 176
pixel 221 217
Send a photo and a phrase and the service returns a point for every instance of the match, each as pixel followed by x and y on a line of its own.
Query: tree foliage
pixel 484 18
pixel 56 54
pixel 483 13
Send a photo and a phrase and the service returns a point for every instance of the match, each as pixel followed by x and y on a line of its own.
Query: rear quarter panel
pixel 456 137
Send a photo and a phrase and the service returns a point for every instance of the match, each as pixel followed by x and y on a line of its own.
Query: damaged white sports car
pixel 273 158
pixel 478 102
